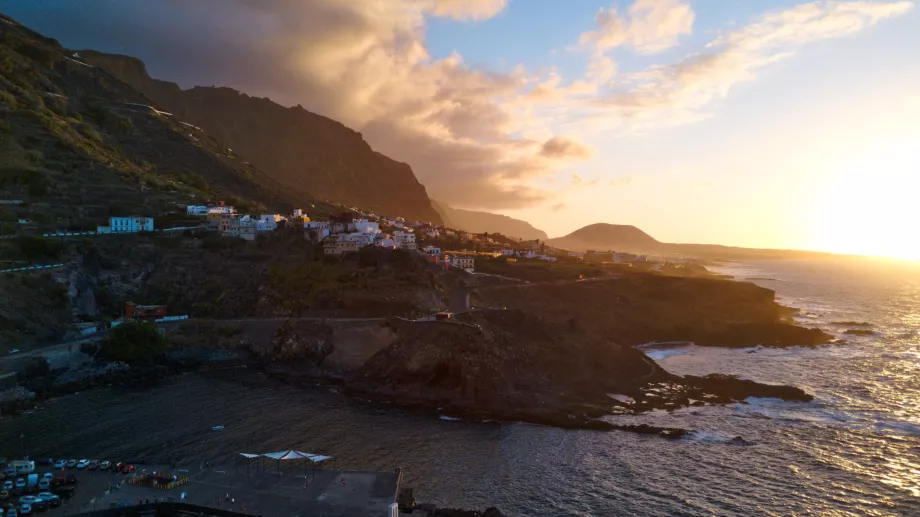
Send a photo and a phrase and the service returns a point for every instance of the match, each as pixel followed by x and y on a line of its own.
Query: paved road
pixel 11 358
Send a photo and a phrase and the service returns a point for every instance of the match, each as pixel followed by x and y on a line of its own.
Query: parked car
pixel 39 505
pixel 4 495
pixel 7 485
pixel 59 464
pixel 44 484
pixel 118 466
pixel 93 465
pixel 20 483
pixel 82 464
pixel 25 509
pixel 71 464
pixel 127 469
pixel 11 513
pixel 105 465
pixel 52 500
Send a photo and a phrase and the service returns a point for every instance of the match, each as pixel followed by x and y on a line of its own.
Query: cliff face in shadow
pixel 300 149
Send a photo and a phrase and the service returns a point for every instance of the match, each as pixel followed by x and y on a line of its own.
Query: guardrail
pixel 30 268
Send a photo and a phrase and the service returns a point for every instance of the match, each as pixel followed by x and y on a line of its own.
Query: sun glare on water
pixel 871 203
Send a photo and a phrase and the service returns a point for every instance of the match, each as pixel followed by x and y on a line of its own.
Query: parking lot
pixel 333 493
pixel 79 489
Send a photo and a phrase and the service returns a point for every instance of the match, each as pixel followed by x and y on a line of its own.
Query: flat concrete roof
pixel 329 493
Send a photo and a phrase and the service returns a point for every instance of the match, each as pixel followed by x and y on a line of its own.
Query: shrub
pixel 136 342
pixel 33 248
pixel 90 132
pixel 40 54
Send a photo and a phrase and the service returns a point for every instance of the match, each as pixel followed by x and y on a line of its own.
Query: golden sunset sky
pixel 773 123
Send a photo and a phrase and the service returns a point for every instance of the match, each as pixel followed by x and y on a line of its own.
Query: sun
pixel 870 202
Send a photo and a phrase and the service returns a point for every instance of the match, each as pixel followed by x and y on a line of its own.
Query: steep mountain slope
pixel 602 236
pixel 482 222
pixel 78 145
pixel 300 149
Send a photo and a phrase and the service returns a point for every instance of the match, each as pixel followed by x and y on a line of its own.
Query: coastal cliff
pixel 299 149
pixel 635 308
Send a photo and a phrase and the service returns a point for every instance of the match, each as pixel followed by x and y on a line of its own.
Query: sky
pixel 768 123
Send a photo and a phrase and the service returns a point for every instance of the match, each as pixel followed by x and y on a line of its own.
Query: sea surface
pixel 854 450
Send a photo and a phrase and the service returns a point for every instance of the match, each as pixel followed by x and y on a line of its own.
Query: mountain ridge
pixel 300 149
pixel 485 222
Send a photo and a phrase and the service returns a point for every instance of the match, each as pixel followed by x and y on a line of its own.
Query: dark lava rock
pixel 732 387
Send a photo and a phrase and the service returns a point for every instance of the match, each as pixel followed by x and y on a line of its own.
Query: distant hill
pixel 299 149
pixel 619 237
pixel 603 236
pixel 482 222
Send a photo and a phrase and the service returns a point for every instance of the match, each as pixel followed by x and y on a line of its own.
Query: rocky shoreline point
pixel 503 365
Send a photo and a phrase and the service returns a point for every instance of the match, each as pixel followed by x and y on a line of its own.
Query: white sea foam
pixel 449 418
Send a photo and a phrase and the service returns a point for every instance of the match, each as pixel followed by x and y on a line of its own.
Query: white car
pixel 105 465
pixel 28 499
pixel 82 464
pixel 25 509
pixel 47 475
pixel 11 513
pixel 71 464
pixel 44 484
pixel 7 485
pixel 52 500
pixel 20 483
pixel 59 464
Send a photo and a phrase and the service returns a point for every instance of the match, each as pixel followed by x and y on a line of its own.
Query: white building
pixel 196 210
pixel 548 258
pixel 464 262
pixel 433 251
pixel 365 226
pixel 132 224
pixel 387 243
pixel 221 210
pixel 298 212
pixel 267 223
pixel 527 254
pixel 319 228
pixel 406 240
pixel 508 253
pixel 363 239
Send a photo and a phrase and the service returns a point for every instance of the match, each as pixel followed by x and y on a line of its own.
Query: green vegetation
pixel 540 270
pixel 134 342
pixel 307 286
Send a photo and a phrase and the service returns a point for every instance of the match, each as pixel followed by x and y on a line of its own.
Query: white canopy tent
pixel 289 455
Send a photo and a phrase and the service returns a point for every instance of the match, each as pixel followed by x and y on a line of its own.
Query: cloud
pixel 561 147
pixel 651 26
pixel 466 9
pixel 622 181
pixel 678 91
pixel 475 138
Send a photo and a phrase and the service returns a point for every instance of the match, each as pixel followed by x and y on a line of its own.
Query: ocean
pixel 854 450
